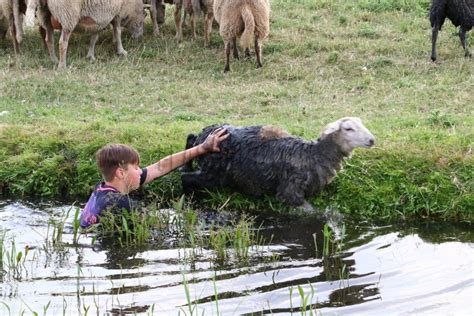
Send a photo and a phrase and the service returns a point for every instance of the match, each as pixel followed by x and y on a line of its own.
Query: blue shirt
pixel 106 197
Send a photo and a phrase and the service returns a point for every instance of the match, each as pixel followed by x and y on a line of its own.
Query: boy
pixel 119 166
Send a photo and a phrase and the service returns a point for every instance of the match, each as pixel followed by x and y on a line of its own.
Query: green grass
pixel 323 60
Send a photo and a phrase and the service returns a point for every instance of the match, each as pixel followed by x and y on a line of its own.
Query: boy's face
pixel 131 177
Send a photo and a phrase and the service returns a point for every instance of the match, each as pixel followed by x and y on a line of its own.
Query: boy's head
pixel 112 156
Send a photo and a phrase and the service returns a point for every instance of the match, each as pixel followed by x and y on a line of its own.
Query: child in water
pixel 119 166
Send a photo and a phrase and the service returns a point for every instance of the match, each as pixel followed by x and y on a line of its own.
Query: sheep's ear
pixel 331 128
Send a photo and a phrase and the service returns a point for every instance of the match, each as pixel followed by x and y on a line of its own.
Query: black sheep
pixel 260 160
pixel 460 12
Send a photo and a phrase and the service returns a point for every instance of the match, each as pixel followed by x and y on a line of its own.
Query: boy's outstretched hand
pixel 211 144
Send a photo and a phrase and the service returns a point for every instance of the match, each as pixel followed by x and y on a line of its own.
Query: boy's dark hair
pixel 112 156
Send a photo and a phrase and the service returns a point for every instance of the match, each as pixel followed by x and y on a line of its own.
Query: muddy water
pixel 391 270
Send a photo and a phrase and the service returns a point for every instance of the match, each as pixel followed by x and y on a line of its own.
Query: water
pixel 390 270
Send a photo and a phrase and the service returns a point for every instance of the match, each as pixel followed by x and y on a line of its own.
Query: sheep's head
pixel 137 20
pixel 349 133
pixel 31 8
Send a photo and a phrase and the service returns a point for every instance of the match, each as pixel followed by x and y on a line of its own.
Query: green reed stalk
pixel 304 300
pixel 76 224
pixel 216 297
pixel 188 295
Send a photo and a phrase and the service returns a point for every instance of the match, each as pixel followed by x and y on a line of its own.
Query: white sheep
pixel 245 18
pixel 90 16
pixel 131 17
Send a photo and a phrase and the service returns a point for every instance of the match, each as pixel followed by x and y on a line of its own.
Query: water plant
pixel 12 261
pixel 131 228
pixel 216 296
pixel 187 223
pixel 191 307
pixel 306 300
pixel 76 224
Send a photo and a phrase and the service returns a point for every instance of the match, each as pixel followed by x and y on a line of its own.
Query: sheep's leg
pixel 227 56
pixel 290 192
pixel 3 33
pixel 434 37
pixel 160 10
pixel 190 141
pixel 118 36
pixel 198 181
pixel 247 52
pixel 462 36
pixel 208 28
pixel 235 49
pixel 307 207
pixel 193 25
pixel 42 32
pixel 13 30
pixel 258 52
pixel 17 22
pixel 63 44
pixel 154 17
pixel 49 42
pixel 177 22
pixel 91 52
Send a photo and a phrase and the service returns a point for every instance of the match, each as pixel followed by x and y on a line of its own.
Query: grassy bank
pixel 323 60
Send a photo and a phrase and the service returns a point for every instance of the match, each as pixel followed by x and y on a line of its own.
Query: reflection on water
pixel 419 269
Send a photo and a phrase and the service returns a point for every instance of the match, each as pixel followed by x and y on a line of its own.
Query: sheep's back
pixel 228 15
pixel 252 164
pixel 460 12
pixel 70 12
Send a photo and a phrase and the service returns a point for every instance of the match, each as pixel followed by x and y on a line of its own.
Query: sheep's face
pixel 136 23
pixel 349 133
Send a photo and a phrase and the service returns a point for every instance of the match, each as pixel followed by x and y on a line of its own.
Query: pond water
pixel 393 270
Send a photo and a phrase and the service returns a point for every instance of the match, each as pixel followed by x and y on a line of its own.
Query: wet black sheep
pixel 258 160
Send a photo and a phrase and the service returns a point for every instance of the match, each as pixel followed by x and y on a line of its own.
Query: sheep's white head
pixel 31 7
pixel 349 133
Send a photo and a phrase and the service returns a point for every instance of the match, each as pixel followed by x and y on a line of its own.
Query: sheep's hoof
pixel 433 58
pixel 122 53
pixel 90 57
pixel 226 69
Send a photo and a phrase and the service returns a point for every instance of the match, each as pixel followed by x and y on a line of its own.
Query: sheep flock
pixel 248 20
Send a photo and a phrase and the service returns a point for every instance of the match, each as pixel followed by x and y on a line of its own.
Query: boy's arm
pixel 171 162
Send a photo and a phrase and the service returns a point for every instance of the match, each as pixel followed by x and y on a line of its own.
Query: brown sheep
pixel 245 18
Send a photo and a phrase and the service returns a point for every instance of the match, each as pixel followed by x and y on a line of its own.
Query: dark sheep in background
pixel 460 12
pixel 258 160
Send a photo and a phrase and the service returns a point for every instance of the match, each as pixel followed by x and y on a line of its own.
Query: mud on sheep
pixel 258 160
